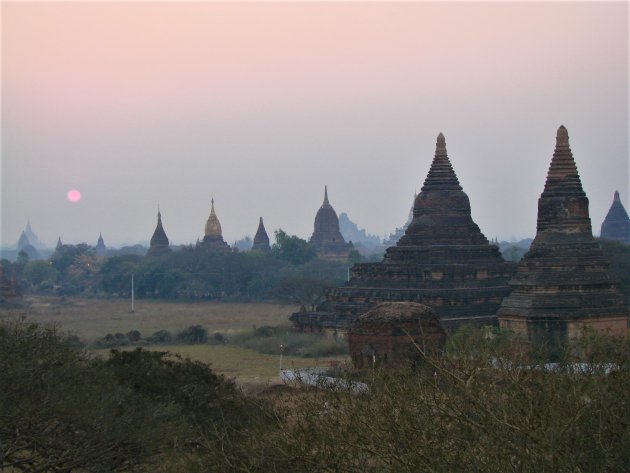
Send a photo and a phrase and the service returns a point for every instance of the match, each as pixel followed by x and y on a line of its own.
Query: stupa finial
pixel 562 137
pixel 616 198
pixel 440 147
pixel 326 196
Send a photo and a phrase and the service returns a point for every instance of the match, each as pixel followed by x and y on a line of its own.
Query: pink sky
pixel 261 104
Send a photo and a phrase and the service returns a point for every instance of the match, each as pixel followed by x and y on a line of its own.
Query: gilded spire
pixel 213 226
pixel 441 175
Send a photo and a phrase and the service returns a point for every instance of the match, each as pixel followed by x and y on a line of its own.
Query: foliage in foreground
pixel 489 404
pixel 61 410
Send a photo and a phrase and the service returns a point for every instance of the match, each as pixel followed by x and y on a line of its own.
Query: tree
pixel 60 412
pixel 305 291
pixel 292 248
pixel 39 273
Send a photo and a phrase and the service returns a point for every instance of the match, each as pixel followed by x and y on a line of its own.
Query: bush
pixel 62 412
pixel 193 334
pixel 136 411
pixel 266 331
pixel 474 410
pixel 218 338
pixel 134 335
pixel 268 339
pixel 161 336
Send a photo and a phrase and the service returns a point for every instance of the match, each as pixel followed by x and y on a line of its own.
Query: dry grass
pixel 91 319
pixel 246 366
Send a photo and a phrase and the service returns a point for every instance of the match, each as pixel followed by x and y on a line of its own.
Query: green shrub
pixel 194 334
pixel 218 338
pixel 134 335
pixel 269 339
pixel 161 336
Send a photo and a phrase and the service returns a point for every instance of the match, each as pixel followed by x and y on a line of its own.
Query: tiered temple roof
pixel 261 240
pixel 327 238
pixel 563 282
pixel 443 261
pixel 616 225
pixel 159 240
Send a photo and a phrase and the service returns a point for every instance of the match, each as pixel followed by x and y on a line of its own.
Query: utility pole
pixel 281 351
pixel 132 294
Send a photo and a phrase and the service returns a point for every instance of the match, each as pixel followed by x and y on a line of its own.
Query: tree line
pixel 290 272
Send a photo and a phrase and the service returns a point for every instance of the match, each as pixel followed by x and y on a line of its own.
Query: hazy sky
pixel 262 104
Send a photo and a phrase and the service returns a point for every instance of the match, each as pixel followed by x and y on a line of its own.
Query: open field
pixel 91 319
pixel 248 367
pixel 94 318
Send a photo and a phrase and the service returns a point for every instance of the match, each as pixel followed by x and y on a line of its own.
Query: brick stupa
pixel 327 239
pixel 159 240
pixel 261 239
pixel 390 333
pixel 442 261
pixel 563 283
pixel 616 225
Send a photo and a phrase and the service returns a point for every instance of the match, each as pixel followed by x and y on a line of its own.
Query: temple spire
pixel 441 175
pixel 213 226
pixel 261 239
pixel 159 243
pixel 326 196
pixel 616 225
pixel 440 146
pixel 563 175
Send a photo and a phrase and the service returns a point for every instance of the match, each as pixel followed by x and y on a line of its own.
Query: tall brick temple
pixel 616 225
pixel 563 283
pixel 159 244
pixel 442 261
pixel 261 239
pixel 327 239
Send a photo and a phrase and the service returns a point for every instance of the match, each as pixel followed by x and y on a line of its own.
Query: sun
pixel 73 196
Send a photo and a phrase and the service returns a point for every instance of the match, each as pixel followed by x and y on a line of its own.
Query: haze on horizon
pixel 262 104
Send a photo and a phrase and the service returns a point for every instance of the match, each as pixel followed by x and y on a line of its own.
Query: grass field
pixel 94 318
pixel 247 367
pixel 91 319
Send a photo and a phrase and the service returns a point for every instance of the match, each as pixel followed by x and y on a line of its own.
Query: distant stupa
pixel 616 225
pixel 159 240
pixel 563 283
pixel 24 245
pixel 326 238
pixel 261 240
pixel 400 231
pixel 213 234
pixel 32 238
pixel 100 249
